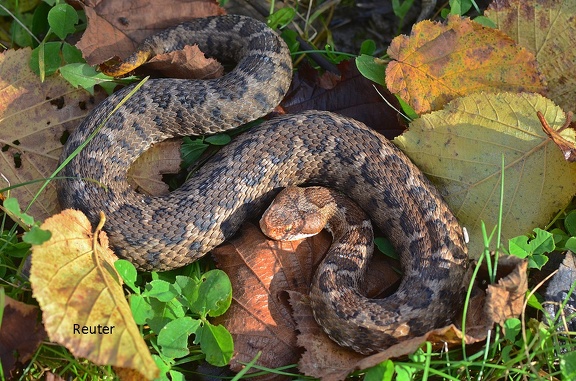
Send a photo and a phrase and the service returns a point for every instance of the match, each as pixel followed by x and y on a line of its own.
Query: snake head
pixel 293 215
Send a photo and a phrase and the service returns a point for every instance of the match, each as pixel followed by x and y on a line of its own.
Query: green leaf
pixel 371 68
pixel 485 21
pixel 128 273
pixel 291 38
pixel 214 294
pixel 71 54
pixel 13 207
pixel 381 372
pixel 568 366
pixel 570 223
pixel 141 309
pixel 161 290
pixel 173 338
pixel 537 261
pixel 543 242
pixel 512 327
pixel 62 19
pixel 191 150
pixel 164 313
pixel 281 17
pixel 368 47
pixel 52 58
pixel 85 76
pixel 36 236
pixel 385 247
pixel 219 139
pixel 519 246
pixel 216 343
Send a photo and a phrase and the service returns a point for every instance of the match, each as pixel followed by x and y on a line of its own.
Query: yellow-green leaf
pixel 461 148
pixel 79 292
pixel 547 29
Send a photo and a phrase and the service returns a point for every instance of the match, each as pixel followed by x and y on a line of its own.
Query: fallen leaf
pixel 440 62
pixel 547 29
pixel 81 297
pixel 145 174
pixel 461 147
pixel 349 94
pixel 263 274
pixel 34 118
pixel 20 333
pixel 115 28
pixel 505 299
pixel 189 62
pixel 261 271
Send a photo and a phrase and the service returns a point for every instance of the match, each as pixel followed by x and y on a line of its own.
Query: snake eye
pixel 288 229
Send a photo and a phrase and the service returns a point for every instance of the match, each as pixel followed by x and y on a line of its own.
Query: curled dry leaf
pixel 564 137
pixel 547 29
pixel 115 28
pixel 20 335
pixel 461 149
pixel 82 301
pixel 34 117
pixel 439 62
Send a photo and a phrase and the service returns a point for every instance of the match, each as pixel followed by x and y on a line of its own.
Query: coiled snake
pixel 314 147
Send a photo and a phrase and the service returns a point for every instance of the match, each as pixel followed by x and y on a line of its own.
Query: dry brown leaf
pixel 260 270
pixel 547 29
pixel 81 297
pixel 115 28
pixel 439 62
pixel 505 299
pixel 145 174
pixel 34 116
pixel 20 335
pixel 189 62
pixel 564 137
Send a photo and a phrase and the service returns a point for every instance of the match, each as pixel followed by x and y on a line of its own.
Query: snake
pixel 237 183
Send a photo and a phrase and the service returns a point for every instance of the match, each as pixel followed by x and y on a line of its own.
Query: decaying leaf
pixel 461 148
pixel 547 29
pixel 349 94
pixel 439 62
pixel 34 116
pixel 20 335
pixel 116 27
pixel 82 301
pixel 145 174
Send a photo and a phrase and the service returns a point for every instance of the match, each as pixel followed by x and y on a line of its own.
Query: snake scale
pixel 313 147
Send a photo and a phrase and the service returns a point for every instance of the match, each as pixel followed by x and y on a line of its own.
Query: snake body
pixel 314 147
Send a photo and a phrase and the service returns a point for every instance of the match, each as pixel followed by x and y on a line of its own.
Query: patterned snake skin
pixel 314 147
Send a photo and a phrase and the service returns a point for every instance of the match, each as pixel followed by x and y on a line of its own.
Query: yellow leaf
pixel 440 62
pixel 461 148
pixel 34 117
pixel 547 29
pixel 80 294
